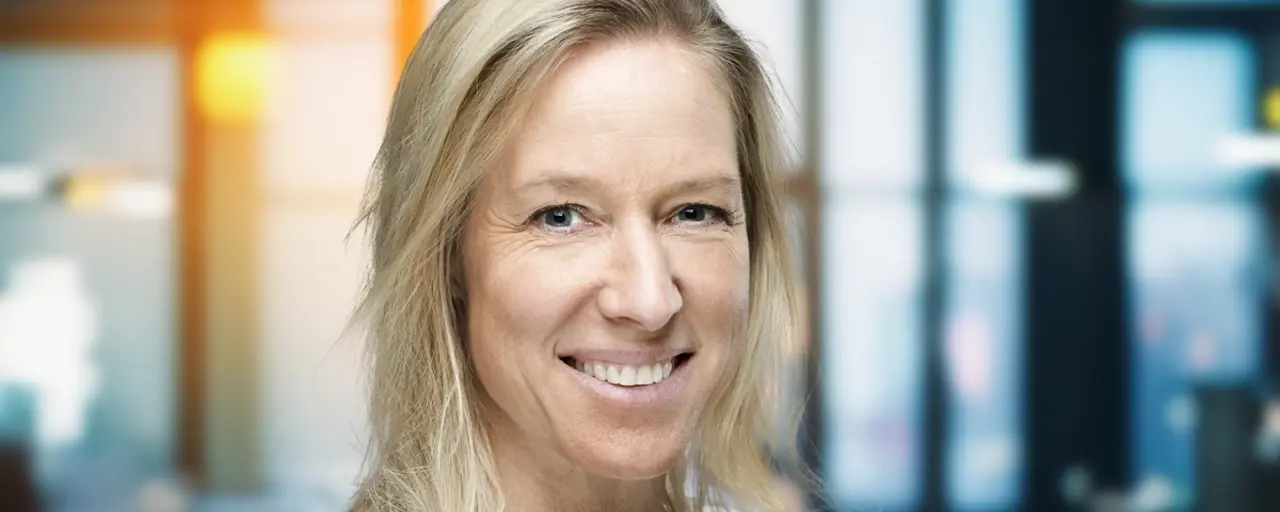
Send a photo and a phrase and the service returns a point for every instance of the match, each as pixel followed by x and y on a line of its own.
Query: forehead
pixel 628 110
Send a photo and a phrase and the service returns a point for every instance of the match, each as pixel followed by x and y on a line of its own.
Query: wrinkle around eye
pixel 502 223
pixel 510 247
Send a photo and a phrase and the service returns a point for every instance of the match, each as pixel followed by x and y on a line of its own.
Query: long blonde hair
pixel 464 92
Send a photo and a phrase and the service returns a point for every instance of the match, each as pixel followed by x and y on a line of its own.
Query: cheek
pixel 525 294
pixel 516 304
pixel 715 283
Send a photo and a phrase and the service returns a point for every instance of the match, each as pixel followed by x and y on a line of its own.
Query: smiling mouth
pixel 628 375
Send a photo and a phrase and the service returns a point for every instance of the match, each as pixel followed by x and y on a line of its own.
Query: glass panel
pixel 983 347
pixel 313 403
pixel 983 337
pixel 1195 236
pixel 311 141
pixel 872 93
pixel 316 155
pixel 872 352
pixel 1199 277
pixel 86 294
pixel 1182 95
pixel 984 86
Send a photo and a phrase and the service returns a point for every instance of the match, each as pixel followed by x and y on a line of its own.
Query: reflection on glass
pixel 983 347
pixel 872 352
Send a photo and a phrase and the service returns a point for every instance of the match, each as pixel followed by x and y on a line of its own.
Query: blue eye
pixel 700 214
pixel 692 213
pixel 559 217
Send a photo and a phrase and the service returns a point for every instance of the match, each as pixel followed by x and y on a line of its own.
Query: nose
pixel 640 289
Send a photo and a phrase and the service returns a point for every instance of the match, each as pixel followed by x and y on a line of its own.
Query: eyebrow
pixel 723 181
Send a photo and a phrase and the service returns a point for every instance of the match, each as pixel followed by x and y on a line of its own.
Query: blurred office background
pixel 1039 240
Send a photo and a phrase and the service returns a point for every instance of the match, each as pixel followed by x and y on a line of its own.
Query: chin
pixel 626 457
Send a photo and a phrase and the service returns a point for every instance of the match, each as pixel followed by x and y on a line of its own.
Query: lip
pixel 633 398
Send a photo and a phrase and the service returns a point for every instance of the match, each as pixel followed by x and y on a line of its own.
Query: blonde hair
pixel 463 95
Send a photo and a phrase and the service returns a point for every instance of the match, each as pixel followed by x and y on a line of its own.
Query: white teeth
pixel 640 375
pixel 644 375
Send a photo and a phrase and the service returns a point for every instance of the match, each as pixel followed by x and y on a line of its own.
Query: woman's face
pixel 607 264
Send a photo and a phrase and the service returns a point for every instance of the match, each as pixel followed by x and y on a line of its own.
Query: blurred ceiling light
pixel 1243 150
pixel 148 199
pixel 89 189
pixel 83 192
pixel 231 71
pixel 1049 179
pixel 21 183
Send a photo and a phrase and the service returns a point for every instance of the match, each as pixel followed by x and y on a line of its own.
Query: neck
pixel 537 478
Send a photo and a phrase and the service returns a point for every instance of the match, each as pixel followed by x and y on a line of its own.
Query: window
pixel 110 278
pixel 1196 256
pixel 872 274
pixel 982 329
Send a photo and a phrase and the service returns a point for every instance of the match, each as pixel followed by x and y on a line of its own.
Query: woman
pixel 580 287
